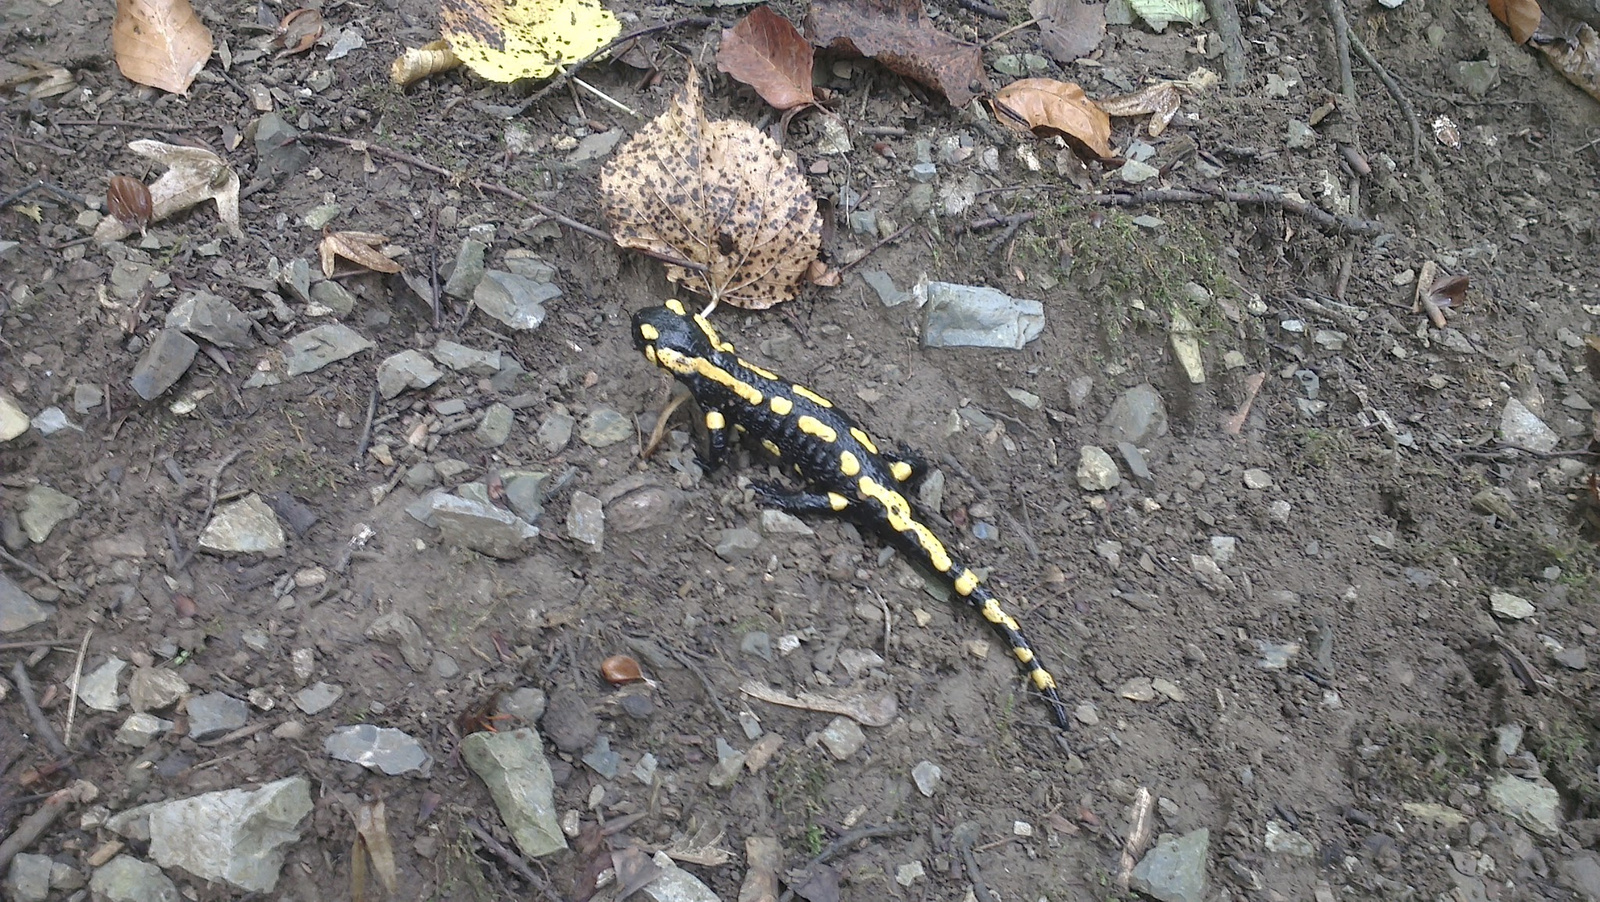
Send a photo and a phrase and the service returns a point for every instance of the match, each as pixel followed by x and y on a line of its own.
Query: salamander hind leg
pixel 906 466
pixel 800 503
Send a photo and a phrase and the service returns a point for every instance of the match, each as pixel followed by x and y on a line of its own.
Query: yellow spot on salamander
pixel 967 583
pixel 1042 679
pixel 684 365
pixel 715 421
pixel 864 439
pixel 848 464
pixel 781 405
pixel 837 501
pixel 1024 655
pixel 676 306
pixel 812 396
pixel 650 333
pixel 900 470
pixel 765 374
pixel 711 335
pixel 650 354
pixel 817 429
pixel 991 612
pixel 772 447
pixel 897 513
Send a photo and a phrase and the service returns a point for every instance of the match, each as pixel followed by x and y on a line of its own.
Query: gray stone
pixel 604 427
pixel 884 286
pixel 1520 428
pixel 1136 416
pixel 1097 472
pixel 205 315
pixel 729 766
pixel 1299 135
pixel 407 369
pixel 129 278
pixel 978 316
pixel 513 766
pixel 14 421
pixel 594 147
pixel 555 431
pixel 480 527
pixel 334 297
pixel 164 362
pixel 1478 77
pixel 421 477
pixel 1133 458
pixel 1134 172
pixel 527 704
pixel 525 492
pixel 1280 839
pixel 317 697
pixel 318 217
pixel 1572 657
pixel 927 776
pixel 28 880
pixel 98 687
pixel 644 506
pixel 602 760
pixel 235 835
pixel 319 346
pixel 215 714
pixel 1257 479
pixel 468 271
pixel 43 508
pixel 127 879
pixel 140 729
pixel 155 688
pixel 495 429
pixel 463 359
pixel 842 737
pixel 517 301
pixel 1536 805
pixel 568 722
pixel 1175 870
pixel 674 884
pixel 733 544
pixel 246 526
pixel 398 629
pixel 382 749
pixel 1506 606
pixel 279 152
pixel 18 609
pixel 779 523
pixel 52 420
pixel 924 172
pixel 586 520
pixel 1581 874
pixel 295 278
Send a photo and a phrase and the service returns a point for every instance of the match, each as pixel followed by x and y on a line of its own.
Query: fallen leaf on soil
pixel 1520 17
pixel 1159 13
pixel 298 32
pixel 718 193
pixel 360 248
pixel 899 34
pixel 1069 29
pixel 765 51
pixel 504 40
pixel 1046 106
pixel 194 175
pixel 1580 64
pixel 870 709
pixel 372 841
pixel 1159 101
pixel 48 81
pixel 160 43
pixel 129 201
pixel 416 63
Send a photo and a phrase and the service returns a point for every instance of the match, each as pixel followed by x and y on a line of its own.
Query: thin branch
pixel 30 704
pixel 517 863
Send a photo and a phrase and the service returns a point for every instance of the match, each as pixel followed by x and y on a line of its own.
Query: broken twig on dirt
pixel 33 571
pixel 77 677
pixel 875 248
pixel 1337 223
pixel 33 826
pixel 515 862
pixel 843 844
pixel 30 704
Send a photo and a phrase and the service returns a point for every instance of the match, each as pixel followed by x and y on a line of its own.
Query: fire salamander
pixel 845 472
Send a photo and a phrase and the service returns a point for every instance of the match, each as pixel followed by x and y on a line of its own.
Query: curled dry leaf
pixel 1159 101
pixel 765 51
pixel 194 175
pixel 1050 107
pixel 129 201
pixel 1520 17
pixel 298 32
pixel 160 43
pixel 718 193
pixel 1579 62
pixel 373 841
pixel 899 34
pixel 360 248
pixel 416 63
pixel 504 40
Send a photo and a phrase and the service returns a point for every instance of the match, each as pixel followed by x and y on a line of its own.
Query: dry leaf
pixel 899 34
pixel 1047 106
pixel 298 32
pixel 1520 17
pixel 1069 29
pixel 765 51
pixel 360 248
pixel 129 201
pixel 160 43
pixel 870 709
pixel 716 193
pixel 1159 101
pixel 504 40
pixel 416 63
pixel 1580 63
pixel 1450 291
pixel 194 175
pixel 372 833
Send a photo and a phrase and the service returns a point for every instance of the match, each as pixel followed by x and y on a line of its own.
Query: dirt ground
pixel 1372 543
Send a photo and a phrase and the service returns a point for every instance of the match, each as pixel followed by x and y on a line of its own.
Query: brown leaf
pixel 1048 106
pixel 160 43
pixel 129 201
pixel 360 248
pixel 899 34
pixel 1069 29
pixel 1450 291
pixel 298 32
pixel 1159 101
pixel 372 832
pixel 1581 63
pixel 194 175
pixel 765 51
pixel 718 193
pixel 1520 17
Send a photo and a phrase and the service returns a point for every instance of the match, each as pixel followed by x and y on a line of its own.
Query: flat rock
pixel 28 879
pixel 18 609
pixel 405 370
pixel 1136 416
pixel 236 835
pixel 155 688
pixel 317 697
pixel 127 879
pixel 207 316
pixel 1536 805
pixel 978 316
pixel 13 420
pixel 215 714
pixel 1097 472
pixel 164 362
pixel 514 768
pixel 604 427
pixel 495 430
pixel 332 298
pixel 43 508
pixel 98 687
pixel 468 270
pixel 842 737
pixel 463 359
pixel 382 749
pixel 586 520
pixel 319 346
pixel 1506 606
pixel 398 629
pixel 1175 870
pixel 1521 428
pixel 517 301
pixel 674 884
pixel 478 526
pixel 246 526
pixel 141 729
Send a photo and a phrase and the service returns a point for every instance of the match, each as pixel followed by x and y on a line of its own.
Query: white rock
pixel 1521 428
pixel 1097 472
pixel 1510 607
pixel 245 526
pixel 13 421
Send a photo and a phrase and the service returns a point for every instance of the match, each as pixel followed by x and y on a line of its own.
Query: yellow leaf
pixel 504 40
pixel 360 248
pixel 32 211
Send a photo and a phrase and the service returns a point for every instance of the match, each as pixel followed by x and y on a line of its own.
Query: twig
pixel 1226 15
pixel 366 428
pixel 994 222
pixel 1008 32
pixel 31 570
pixel 983 9
pixel 561 77
pixel 874 249
pixel 705 681
pixel 41 724
pixel 1138 837
pixel 123 123
pixel 518 865
pixel 843 843
pixel 1337 223
pixel 606 98
pixel 77 675
pixel 1341 45
pixel 211 492
pixel 35 643
pixel 48 188
pixel 970 861
pixel 34 825
pixel 1400 99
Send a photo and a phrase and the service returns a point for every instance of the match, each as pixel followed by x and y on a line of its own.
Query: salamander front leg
pixel 800 503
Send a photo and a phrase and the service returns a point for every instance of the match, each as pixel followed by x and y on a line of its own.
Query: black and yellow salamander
pixel 844 471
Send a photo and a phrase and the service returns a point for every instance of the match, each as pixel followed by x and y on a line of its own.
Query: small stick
pixel 518 865
pixel 77 675
pixel 31 570
pixel 874 249
pixel 982 9
pixel 41 724
pixel 994 222
pixel 842 844
pixel 1138 837
pixel 35 643
pixel 660 430
pixel 34 825
pixel 606 98
pixel 1341 46
pixel 366 429
pixel 216 479
pixel 1009 31
pixel 564 74
pixel 1400 99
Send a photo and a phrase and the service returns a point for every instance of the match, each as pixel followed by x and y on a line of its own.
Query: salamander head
pixel 672 327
